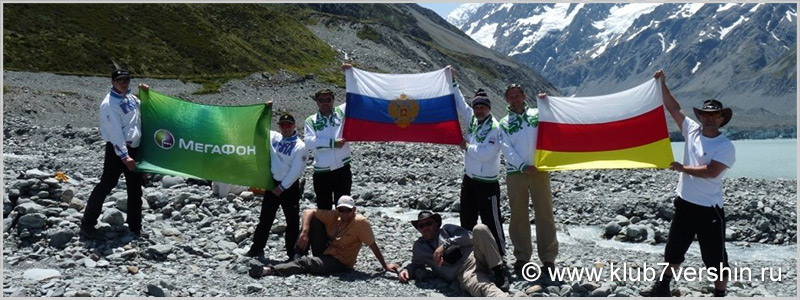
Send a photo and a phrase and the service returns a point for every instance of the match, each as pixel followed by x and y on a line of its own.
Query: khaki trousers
pixel 537 186
pixel 475 275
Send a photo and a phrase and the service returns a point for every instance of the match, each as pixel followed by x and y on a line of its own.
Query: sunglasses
pixel 344 210
pixel 286 125
pixel 714 114
pixel 125 80
pixel 426 224
pixel 324 100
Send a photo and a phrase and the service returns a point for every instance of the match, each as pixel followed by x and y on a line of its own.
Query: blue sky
pixel 443 9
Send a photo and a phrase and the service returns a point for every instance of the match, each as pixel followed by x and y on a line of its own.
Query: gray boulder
pixel 33 221
pixel 61 238
pixel 113 216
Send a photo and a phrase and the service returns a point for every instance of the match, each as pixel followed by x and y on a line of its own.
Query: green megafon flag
pixel 220 143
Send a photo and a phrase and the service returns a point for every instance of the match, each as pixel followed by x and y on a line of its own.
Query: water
pixel 765 159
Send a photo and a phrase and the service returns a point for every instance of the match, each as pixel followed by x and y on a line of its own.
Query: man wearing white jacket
pixel 480 189
pixel 323 135
pixel 121 128
pixel 518 139
pixel 288 157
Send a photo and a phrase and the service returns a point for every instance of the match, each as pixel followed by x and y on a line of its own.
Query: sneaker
pixel 260 271
pixel 659 289
pixel 500 279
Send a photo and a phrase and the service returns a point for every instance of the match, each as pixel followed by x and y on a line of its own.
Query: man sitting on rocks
pixel 453 253
pixel 707 155
pixel 335 238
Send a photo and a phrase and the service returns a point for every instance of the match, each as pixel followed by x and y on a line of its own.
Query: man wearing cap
pixel 288 157
pixel 519 130
pixel 323 135
pixel 707 155
pixel 120 127
pixel 335 238
pixel 480 189
pixel 455 254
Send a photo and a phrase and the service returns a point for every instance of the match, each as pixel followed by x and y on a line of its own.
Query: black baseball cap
pixel 286 118
pixel 120 74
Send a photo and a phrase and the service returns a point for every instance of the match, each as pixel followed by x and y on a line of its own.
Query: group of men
pixel 472 253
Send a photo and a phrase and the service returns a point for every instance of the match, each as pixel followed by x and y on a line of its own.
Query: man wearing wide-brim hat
pixel 698 207
pixel 455 254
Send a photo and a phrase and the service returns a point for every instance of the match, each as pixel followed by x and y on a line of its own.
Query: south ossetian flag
pixel 401 107
pixel 617 131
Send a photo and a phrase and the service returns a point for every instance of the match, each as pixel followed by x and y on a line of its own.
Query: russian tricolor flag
pixel 401 107
pixel 618 131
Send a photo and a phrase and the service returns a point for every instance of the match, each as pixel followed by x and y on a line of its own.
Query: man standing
pixel 288 156
pixel 335 238
pixel 480 189
pixel 707 155
pixel 454 254
pixel 323 136
pixel 120 127
pixel 518 139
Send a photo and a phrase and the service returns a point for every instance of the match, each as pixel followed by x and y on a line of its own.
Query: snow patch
pixel 724 31
pixel 550 19
pixel 619 20
pixel 672 45
pixel 727 7
pixel 485 35
pixel 755 8
pixel 697 66
pixel 687 10
pixel 459 16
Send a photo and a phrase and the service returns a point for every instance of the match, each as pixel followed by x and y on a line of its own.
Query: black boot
pixel 500 279
pixel 660 289
pixel 546 279
pixel 720 293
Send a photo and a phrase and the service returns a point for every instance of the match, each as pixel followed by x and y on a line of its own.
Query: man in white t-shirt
pixel 698 207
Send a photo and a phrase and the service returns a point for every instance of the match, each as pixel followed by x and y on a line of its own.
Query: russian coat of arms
pixel 403 110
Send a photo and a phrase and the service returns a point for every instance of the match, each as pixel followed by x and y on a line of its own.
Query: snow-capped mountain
pixel 743 54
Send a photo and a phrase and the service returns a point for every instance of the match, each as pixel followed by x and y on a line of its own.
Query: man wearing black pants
pixel 323 136
pixel 120 127
pixel 288 156
pixel 707 154
pixel 480 189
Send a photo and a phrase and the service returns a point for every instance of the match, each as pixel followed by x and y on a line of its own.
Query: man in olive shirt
pixel 335 237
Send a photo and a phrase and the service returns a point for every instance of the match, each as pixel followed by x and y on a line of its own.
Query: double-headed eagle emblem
pixel 403 110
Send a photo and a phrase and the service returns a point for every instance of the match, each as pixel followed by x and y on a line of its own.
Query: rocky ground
pixel 196 238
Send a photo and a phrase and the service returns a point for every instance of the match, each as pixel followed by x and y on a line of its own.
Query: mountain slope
pixel 743 54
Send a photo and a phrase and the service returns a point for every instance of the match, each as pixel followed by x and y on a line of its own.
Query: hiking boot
pixel 659 289
pixel 500 279
pixel 90 232
pixel 546 279
pixel 260 271
pixel 254 253
pixel 519 265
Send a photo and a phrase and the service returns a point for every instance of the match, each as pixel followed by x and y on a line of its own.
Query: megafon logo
pixel 164 139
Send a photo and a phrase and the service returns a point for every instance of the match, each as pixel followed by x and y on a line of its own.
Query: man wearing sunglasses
pixel 288 156
pixel 519 130
pixel 120 127
pixel 707 154
pixel 335 238
pixel 323 136
pixel 454 254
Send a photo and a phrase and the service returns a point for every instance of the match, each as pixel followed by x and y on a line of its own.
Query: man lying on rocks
pixel 335 237
pixel 473 260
